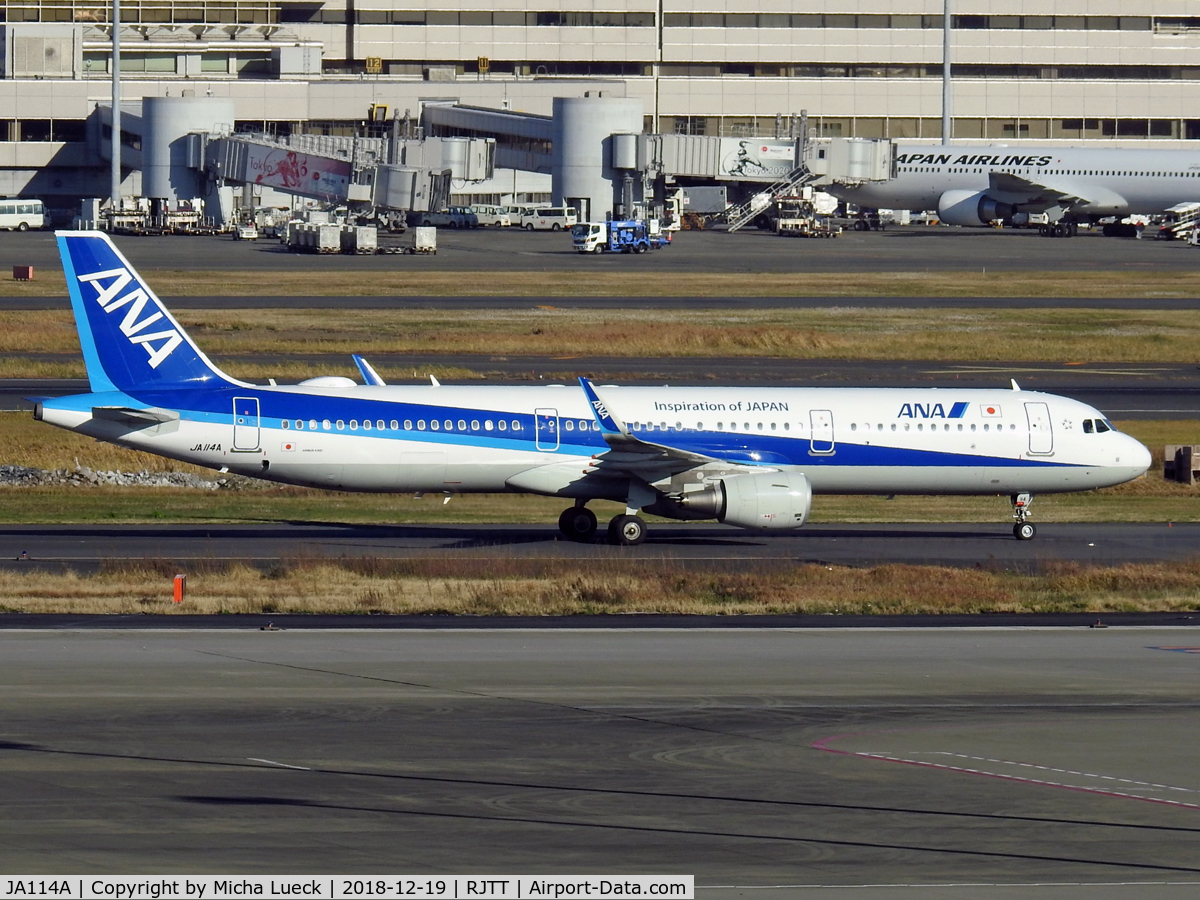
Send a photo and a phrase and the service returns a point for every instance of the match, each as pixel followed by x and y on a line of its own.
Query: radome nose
pixel 1138 455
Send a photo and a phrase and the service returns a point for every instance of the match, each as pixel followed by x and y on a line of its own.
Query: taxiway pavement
pixel 1043 763
pixel 988 252
pixel 85 547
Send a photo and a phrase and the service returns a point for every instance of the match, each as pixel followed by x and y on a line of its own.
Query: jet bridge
pixel 351 169
pixel 595 151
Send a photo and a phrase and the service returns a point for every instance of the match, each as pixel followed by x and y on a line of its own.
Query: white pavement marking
pixel 1104 791
pixel 272 762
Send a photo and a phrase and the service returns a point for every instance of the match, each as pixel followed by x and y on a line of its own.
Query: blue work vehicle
pixel 619 236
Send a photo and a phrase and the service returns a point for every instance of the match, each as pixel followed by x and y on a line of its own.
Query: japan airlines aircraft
pixel 751 457
pixel 977 185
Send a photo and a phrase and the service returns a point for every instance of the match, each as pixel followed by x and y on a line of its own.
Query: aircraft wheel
pixel 1024 531
pixel 626 531
pixel 578 523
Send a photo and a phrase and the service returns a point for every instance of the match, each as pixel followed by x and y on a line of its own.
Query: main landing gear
pixel 1023 530
pixel 627 530
pixel 1059 229
pixel 578 523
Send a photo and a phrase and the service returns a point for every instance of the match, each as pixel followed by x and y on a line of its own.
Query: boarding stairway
pixel 744 213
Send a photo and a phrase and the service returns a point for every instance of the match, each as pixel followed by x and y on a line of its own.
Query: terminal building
pixel 1097 71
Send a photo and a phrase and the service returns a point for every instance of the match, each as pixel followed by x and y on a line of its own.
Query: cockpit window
pixel 1102 426
pixel 1087 426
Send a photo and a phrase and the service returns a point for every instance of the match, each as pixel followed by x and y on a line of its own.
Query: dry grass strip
pixel 511 587
pixel 567 282
pixel 556 335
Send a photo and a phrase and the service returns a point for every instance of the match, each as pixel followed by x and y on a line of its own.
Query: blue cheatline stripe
pixel 958 410
pixel 97 377
pixel 213 406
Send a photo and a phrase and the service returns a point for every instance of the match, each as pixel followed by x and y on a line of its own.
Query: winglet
pixel 607 420
pixel 1015 386
pixel 370 376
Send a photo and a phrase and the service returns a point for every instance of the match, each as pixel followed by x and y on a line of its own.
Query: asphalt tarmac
pixel 861 763
pixel 87 547
pixel 989 252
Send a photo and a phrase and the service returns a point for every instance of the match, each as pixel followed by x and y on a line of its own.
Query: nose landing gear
pixel 1023 530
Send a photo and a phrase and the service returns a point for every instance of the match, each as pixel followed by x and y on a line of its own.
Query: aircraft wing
pixel 1038 196
pixel 629 453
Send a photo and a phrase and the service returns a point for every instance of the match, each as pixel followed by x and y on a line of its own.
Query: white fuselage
pixel 1112 181
pixel 542 439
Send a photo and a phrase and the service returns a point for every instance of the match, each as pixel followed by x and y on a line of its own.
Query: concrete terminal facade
pixel 1112 71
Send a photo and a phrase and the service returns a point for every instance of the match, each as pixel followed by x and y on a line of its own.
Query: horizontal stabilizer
pixel 141 418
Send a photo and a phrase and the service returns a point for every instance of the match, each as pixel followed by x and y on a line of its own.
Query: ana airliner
pixel 978 185
pixel 751 457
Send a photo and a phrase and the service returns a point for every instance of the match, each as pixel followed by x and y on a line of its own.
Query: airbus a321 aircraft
pixel 751 457
pixel 978 185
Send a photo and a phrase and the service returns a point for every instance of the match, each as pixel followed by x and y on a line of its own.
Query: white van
pixel 491 215
pixel 21 215
pixel 552 218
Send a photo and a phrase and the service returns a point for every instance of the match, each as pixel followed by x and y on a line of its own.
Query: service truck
pixel 620 236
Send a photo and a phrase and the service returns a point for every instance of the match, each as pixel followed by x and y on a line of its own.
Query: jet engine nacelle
pixel 772 500
pixel 971 208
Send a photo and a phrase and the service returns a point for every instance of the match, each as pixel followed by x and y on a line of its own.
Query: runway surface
pixel 1025 763
pixel 951 544
pixel 1121 390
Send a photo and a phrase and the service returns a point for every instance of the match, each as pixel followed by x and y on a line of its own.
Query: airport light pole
pixel 115 190
pixel 946 19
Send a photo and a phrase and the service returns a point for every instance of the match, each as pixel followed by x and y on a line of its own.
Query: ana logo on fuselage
pixel 157 344
pixel 931 411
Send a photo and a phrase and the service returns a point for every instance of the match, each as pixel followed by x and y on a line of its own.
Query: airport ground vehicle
pixel 22 215
pixel 797 217
pixel 453 217
pixel 618 236
pixel 746 456
pixel 245 232
pixel 1178 222
pixel 491 215
pixel 550 218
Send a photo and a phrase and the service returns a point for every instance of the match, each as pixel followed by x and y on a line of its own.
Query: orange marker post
pixel 180 587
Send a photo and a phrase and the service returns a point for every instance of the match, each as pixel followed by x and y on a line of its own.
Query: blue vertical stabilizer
pixel 129 338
